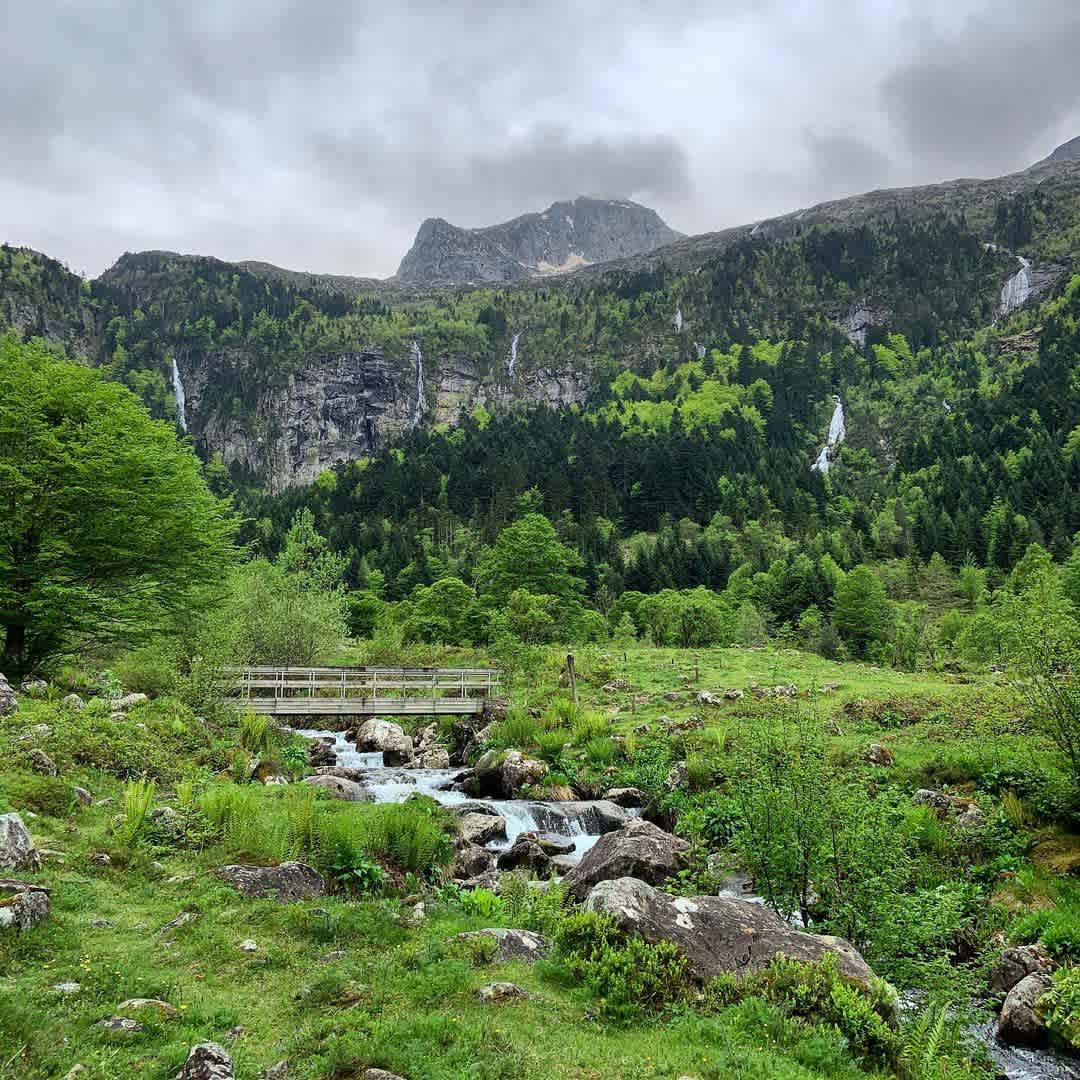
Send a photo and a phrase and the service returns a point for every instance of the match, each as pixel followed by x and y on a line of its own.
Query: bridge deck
pixel 292 691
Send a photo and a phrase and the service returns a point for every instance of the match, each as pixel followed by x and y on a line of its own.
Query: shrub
pixel 482 902
pixel 588 726
pixel 601 751
pixel 41 794
pixel 551 743
pixel 518 730
pixel 1060 1006
pixel 138 795
pixel 405 834
pixel 699 772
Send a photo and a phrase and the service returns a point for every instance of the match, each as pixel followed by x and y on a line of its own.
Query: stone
pixel 436 758
pixel 34 688
pixel 278 1071
pixel 965 812
pixel 616 686
pixel 521 945
pixel 718 933
pixel 84 796
pixel 40 762
pixel 503 773
pixel 639 850
pixel 247 945
pixel 100 858
pixel 526 854
pixel 76 1072
pixel 707 697
pixel 333 957
pixel 207 1061
pixel 288 882
pixel 162 1009
pixel 552 844
pixel 344 771
pixel 16 848
pixel 167 822
pixel 101 924
pixel 481 828
pixel 471 859
pixel 120 1026
pixel 1015 963
pixel 876 754
pixel 497 992
pixel 183 919
pixel 339 788
pixel 630 797
pixel 1019 1022
pixel 68 989
pixel 376 734
pixel 22 904
pixel 8 701
pixel 128 701
pixel 677 777
pixel 73 702
pixel 379 1074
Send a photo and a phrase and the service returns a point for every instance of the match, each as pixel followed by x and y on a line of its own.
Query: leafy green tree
pixel 529 555
pixel 109 533
pixel 862 613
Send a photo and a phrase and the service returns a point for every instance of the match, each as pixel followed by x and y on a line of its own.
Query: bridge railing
pixel 367 683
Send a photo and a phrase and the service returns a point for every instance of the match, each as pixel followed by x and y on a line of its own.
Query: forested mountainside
pixel 283 375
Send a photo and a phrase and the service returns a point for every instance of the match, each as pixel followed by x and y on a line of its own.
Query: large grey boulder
pixel 207 1061
pixel 526 854
pixel 522 945
pixel 718 933
pixel 285 883
pixel 376 734
pixel 22 904
pixel 1019 1021
pixel 639 850
pixel 16 848
pixel 470 860
pixel 481 828
pixel 1015 963
pixel 8 701
pixel 503 773
pixel 337 787
pixel 625 796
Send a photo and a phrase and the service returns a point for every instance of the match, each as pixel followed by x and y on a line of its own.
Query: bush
pixel 138 795
pixel 589 726
pixel 1060 1006
pixel 551 743
pixel 41 794
pixel 518 730
pixel 601 751
pixel 405 834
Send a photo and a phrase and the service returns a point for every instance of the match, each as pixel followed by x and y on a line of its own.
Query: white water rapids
pixel 837 434
pixel 1015 291
pixel 577 821
pixel 181 398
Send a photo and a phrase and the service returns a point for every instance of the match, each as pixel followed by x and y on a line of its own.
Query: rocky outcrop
pixel 718 933
pixel 286 882
pixel 628 797
pixel 338 787
pixel 8 700
pixel 503 773
pixel 1020 1022
pixel 22 904
pixel 565 236
pixel 497 992
pixel 471 860
pixel 375 734
pixel 481 828
pixel 16 848
pixel 521 945
pixel 1016 963
pixel 638 850
pixel 526 854
pixel 207 1061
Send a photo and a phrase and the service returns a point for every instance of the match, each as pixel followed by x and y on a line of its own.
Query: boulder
pixel 84 796
pixel 876 754
pixel 16 848
pixel 677 777
pixel 1017 962
pixel 639 850
pixel 551 844
pixel 129 701
pixel 22 904
pixel 488 880
pixel 965 812
pixel 288 882
pixel 73 702
pixel 1019 1021
pixel 522 945
pixel 40 762
pixel 321 753
pixel 162 1010
pixel 120 1027
pixel 379 1074
pixel 435 758
pixel 630 797
pixel 526 854
pixel 8 701
pixel 471 859
pixel 497 992
pixel 376 734
pixel 481 828
pixel 35 688
pixel 338 787
pixel 346 772
pixel 718 933
pixel 503 773
pixel 207 1061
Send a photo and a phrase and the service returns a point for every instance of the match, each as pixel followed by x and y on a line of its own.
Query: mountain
pixel 563 237
pixel 1069 151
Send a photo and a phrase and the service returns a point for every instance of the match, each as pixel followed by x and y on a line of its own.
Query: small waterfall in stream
pixel 837 434
pixel 511 361
pixel 420 407
pixel 677 321
pixel 181 398
pixel 1015 291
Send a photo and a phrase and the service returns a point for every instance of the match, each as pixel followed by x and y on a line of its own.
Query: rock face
pixel 8 701
pixel 207 1061
pixel 340 788
pixel 565 236
pixel 287 882
pixel 638 850
pixel 22 904
pixel 1069 151
pixel 16 848
pixel 718 933
pixel 375 734
pixel 1019 1021
pixel 521 945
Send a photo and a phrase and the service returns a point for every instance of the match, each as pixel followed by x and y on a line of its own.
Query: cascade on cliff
pixel 181 399
pixel 1015 291
pixel 511 362
pixel 837 434
pixel 421 403
pixel 677 321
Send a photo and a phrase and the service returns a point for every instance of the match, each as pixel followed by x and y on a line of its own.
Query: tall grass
pixel 589 725
pixel 517 731
pixel 138 796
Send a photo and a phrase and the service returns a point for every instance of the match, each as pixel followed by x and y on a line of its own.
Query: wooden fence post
pixel 572 673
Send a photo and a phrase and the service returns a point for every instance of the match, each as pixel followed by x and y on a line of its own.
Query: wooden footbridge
pixel 365 691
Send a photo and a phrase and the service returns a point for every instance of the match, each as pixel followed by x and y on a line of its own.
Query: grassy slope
pixel 399 998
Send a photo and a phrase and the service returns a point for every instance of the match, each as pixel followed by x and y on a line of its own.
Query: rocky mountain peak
pixel 1067 151
pixel 564 236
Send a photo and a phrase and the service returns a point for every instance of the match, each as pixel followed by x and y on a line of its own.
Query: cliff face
pixel 565 236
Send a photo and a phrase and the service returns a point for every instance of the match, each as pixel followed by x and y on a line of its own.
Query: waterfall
pixel 181 399
pixel 700 350
pixel 511 362
pixel 837 434
pixel 677 321
pixel 421 405
pixel 1015 291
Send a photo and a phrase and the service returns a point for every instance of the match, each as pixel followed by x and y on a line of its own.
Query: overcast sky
pixel 317 134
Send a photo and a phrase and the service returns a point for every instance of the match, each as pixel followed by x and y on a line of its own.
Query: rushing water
pixel 1015 291
pixel 677 321
pixel 511 361
pixel 181 398
pixel 579 821
pixel 837 434
pixel 421 403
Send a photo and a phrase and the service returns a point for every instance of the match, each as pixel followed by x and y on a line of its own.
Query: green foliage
pixel 862 613
pixel 41 794
pixel 110 532
pixel 1060 1006
pixel 517 730
pixel 138 797
pixel 482 902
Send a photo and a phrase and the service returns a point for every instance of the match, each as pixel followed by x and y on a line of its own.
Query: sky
pixel 318 134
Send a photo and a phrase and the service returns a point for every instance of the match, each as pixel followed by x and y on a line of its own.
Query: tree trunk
pixel 13 660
